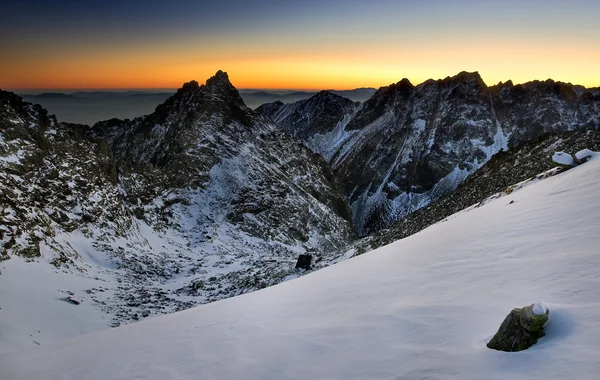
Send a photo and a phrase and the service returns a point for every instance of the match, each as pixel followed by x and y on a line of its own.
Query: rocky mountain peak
pixel 323 94
pixel 465 77
pixel 189 86
pixel 404 83
pixel 403 87
pixel 219 85
pixel 220 79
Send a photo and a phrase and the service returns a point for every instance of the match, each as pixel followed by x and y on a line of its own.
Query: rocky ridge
pixel 498 177
pixel 409 145
pixel 201 200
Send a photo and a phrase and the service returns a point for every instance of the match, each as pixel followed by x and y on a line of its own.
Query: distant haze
pixel 89 107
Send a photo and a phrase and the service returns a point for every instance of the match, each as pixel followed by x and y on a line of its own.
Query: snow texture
pixel 420 308
pixel 539 308
pixel 563 158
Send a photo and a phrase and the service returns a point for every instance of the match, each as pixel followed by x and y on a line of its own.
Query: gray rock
pixel 70 300
pixel 520 330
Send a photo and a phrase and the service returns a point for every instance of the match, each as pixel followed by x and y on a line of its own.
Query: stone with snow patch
pixel 583 155
pixel 521 329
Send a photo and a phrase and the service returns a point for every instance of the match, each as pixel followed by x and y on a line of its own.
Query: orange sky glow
pixel 369 49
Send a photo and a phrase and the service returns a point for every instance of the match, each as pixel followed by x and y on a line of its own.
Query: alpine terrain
pixel 205 199
pixel 409 145
pixel 201 200
pixel 423 307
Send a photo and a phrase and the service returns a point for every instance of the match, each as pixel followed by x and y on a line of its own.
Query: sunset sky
pixel 309 44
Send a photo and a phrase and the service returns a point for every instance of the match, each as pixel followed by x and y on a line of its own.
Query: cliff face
pixel 407 146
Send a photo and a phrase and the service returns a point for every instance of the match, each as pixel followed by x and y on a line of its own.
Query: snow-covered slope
pixel 420 308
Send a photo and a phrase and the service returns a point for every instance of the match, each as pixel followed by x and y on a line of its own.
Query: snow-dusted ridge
pixel 203 199
pixel 407 146
pixel 422 307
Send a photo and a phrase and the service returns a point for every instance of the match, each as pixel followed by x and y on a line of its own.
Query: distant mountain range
pixel 89 107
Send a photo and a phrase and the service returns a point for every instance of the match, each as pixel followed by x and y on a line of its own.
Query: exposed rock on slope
pixel 204 147
pixel 53 179
pixel 408 146
pixel 318 121
pixel 201 200
pixel 498 175
pixel 521 329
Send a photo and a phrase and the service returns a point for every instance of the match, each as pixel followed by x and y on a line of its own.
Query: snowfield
pixel 421 308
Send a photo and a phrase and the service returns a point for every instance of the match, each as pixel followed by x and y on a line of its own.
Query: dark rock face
pixel 520 330
pixel 50 177
pixel 318 121
pixel 409 145
pixel 304 261
pixel 204 142
pixel 497 176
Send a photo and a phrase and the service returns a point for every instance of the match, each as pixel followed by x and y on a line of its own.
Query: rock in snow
pixel 521 329
pixel 583 155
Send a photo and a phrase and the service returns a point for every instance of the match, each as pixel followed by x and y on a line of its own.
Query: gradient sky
pixel 307 44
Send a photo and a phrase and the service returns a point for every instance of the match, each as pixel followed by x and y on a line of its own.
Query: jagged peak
pixel 220 79
pixel 326 95
pixel 465 77
pixel 404 82
pixel 189 86
pixel 404 86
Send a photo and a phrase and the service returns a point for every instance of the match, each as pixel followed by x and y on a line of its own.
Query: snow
pixel 419 125
pixel 583 154
pixel 539 308
pixel 30 295
pixel 421 308
pixel 563 158
pixel 14 158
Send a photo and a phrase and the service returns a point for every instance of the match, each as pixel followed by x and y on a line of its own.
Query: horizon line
pixel 174 89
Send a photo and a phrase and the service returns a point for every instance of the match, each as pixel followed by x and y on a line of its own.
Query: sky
pixel 288 44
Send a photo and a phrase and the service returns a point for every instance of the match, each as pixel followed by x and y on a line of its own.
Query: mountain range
pixel 90 107
pixel 205 198
pixel 409 145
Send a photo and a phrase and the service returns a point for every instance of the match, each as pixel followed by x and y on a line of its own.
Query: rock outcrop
pixel 521 329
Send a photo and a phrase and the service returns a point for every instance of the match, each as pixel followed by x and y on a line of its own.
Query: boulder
pixel 583 155
pixel 521 329
pixel 304 261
